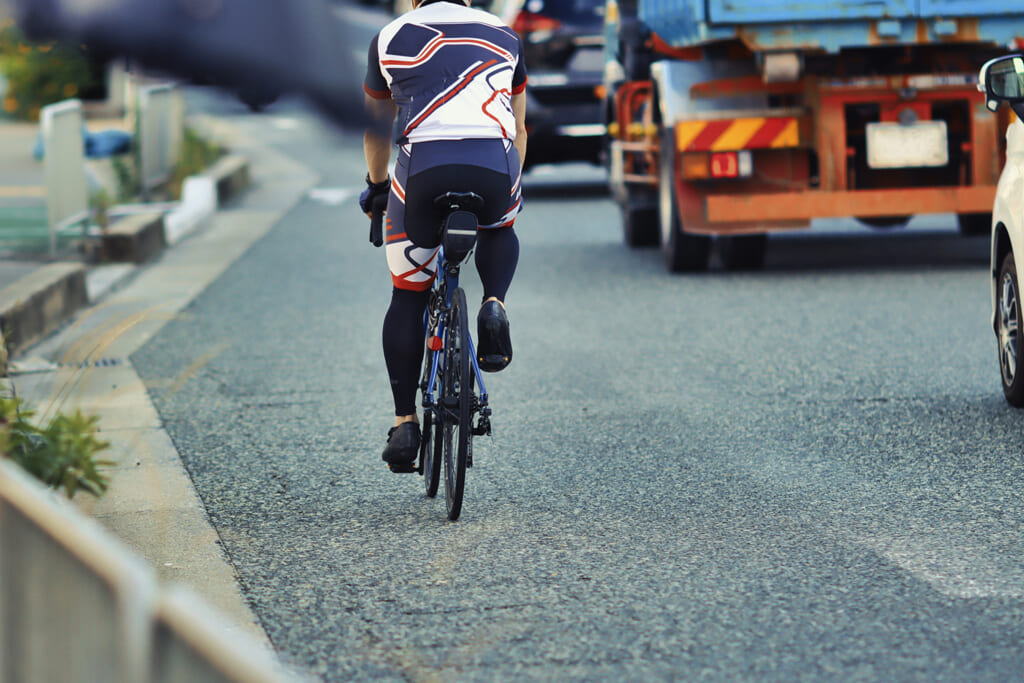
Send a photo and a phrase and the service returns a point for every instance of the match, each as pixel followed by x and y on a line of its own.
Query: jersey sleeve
pixel 519 77
pixel 375 85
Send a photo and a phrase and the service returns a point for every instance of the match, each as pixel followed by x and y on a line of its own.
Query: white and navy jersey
pixel 452 71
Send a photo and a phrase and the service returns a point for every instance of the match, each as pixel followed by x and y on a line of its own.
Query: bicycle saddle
pixel 458 230
pixel 459 201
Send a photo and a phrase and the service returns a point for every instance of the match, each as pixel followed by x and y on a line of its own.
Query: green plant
pixel 100 203
pixel 39 74
pixel 128 184
pixel 197 154
pixel 62 454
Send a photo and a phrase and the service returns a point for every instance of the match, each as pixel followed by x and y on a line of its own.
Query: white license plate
pixel 895 145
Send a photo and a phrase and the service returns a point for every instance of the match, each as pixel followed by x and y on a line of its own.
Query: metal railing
pixel 161 124
pixel 67 193
pixel 75 605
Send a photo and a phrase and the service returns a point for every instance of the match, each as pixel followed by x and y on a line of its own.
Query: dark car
pixel 563 44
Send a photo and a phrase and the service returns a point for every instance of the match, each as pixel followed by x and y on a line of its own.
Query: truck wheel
pixel 640 220
pixel 682 251
pixel 974 224
pixel 742 252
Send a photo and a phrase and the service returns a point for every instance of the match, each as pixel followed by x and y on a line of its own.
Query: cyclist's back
pixel 455 77
pixel 450 69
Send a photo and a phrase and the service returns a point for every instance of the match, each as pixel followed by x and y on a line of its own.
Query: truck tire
pixel 683 252
pixel 742 252
pixel 974 224
pixel 640 219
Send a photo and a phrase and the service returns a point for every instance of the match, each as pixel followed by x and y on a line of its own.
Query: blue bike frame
pixel 448 279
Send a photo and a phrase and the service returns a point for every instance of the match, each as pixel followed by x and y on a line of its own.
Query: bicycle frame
pixel 446 279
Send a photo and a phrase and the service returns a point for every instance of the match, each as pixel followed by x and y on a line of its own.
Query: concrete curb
pixel 40 302
pixel 136 238
pixel 230 173
pixel 140 238
pixel 198 203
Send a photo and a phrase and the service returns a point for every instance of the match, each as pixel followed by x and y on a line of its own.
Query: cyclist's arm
pixel 519 111
pixel 377 138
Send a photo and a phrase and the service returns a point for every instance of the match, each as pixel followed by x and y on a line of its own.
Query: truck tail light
pixel 732 164
pixel 529 22
pixel 696 166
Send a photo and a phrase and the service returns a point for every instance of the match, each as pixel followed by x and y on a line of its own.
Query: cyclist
pixel 455 78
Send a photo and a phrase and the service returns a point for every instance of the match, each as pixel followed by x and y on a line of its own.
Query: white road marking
pixel 332 196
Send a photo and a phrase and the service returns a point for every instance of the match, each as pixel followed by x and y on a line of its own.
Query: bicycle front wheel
pixel 430 454
pixel 457 404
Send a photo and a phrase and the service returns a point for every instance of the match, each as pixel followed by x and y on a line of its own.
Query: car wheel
pixel 1008 317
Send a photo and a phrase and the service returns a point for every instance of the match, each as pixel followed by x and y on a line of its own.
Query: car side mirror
pixel 1002 80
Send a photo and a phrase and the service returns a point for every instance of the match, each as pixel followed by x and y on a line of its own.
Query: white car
pixel 1002 80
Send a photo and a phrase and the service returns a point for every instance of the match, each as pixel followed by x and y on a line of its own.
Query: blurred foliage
pixel 197 155
pixel 39 74
pixel 100 202
pixel 62 454
pixel 128 184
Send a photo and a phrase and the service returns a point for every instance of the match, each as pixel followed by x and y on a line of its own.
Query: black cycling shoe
pixel 403 447
pixel 494 345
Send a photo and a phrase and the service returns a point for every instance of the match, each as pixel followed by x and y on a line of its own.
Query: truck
pixel 728 120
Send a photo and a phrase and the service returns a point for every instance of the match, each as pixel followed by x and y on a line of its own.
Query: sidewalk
pixel 87 319
pixel 39 292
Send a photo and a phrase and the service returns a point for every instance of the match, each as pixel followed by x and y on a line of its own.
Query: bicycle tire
pixel 430 454
pixel 457 393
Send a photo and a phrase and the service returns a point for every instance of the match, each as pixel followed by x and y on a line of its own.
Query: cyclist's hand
pixel 372 191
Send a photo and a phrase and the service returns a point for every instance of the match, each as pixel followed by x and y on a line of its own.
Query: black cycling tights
pixel 497 254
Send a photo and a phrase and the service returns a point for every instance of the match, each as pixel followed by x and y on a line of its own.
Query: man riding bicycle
pixel 455 78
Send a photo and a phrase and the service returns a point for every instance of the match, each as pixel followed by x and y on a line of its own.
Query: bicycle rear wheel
pixel 456 401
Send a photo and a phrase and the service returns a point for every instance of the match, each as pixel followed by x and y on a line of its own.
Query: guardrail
pixel 75 605
pixel 161 124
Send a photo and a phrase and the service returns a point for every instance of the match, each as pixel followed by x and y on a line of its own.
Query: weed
pixel 61 454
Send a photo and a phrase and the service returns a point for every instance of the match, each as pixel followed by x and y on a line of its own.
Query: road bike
pixel 452 384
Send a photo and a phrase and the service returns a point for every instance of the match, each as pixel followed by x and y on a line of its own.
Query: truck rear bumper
pixel 803 206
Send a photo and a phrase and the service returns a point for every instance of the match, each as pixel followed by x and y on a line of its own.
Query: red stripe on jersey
pixel 504 133
pixel 437 43
pixel 452 92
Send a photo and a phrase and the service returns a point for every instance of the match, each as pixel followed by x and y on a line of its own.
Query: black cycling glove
pixel 372 191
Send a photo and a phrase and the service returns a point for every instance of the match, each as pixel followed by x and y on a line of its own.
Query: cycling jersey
pixel 451 70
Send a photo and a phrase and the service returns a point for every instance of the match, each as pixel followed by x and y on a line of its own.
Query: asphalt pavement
pixel 804 473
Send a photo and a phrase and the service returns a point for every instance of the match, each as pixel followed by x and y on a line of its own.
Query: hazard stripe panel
pixel 735 134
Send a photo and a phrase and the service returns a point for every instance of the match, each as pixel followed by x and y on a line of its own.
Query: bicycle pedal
pixel 403 467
